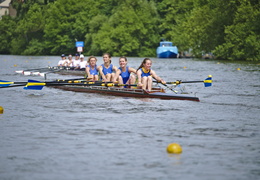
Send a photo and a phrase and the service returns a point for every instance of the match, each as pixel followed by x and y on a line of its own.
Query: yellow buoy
pixel 15 65
pixel 1 110
pixel 174 148
pixel 184 67
pixel 238 69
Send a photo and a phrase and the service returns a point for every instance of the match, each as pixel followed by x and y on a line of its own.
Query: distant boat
pixel 167 50
pixel 207 56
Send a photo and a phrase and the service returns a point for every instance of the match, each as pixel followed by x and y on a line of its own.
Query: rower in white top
pixel 62 61
pixel 76 60
pixel 82 64
pixel 69 63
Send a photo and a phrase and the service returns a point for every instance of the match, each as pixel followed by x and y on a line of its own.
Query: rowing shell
pixel 128 92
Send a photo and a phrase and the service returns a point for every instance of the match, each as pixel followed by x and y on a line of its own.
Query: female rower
pixel 91 69
pixel 106 70
pixel 145 75
pixel 123 73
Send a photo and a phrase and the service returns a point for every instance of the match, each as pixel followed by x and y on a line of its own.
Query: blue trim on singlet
pixel 125 75
pixel 145 74
pixel 93 71
pixel 108 70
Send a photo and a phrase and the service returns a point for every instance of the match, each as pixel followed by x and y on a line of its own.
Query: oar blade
pixel 5 83
pixel 19 72
pixel 208 81
pixel 27 73
pixel 30 87
pixel 34 85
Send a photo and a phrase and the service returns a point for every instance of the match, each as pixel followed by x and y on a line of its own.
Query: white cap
pixel 81 56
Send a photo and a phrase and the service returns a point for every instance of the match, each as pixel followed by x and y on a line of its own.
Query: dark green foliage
pixel 229 29
pixel 7 27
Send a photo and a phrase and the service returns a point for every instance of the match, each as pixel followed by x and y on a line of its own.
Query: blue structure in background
pixel 167 50
pixel 79 43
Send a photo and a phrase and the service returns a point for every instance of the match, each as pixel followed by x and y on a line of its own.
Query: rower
pixel 145 75
pixel 82 64
pixel 123 73
pixel 107 70
pixel 62 61
pixel 69 63
pixel 76 60
pixel 92 69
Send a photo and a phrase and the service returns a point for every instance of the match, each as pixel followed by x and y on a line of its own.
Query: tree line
pixel 228 29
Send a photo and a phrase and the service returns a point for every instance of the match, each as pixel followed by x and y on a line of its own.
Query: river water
pixel 63 135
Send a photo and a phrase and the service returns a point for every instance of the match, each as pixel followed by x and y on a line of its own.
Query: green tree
pixel 230 29
pixel 7 27
pixel 242 40
pixel 68 20
pixel 22 7
pixel 173 14
pixel 29 28
pixel 131 30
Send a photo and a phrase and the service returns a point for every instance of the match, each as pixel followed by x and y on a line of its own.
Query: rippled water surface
pixel 55 134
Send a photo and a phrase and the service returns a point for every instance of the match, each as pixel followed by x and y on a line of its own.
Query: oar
pixel 207 82
pixel 36 73
pixel 8 83
pixel 38 85
pixel 44 74
pixel 40 71
pixel 12 86
pixel 53 70
pixel 22 71
pixel 66 80
pixel 78 80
